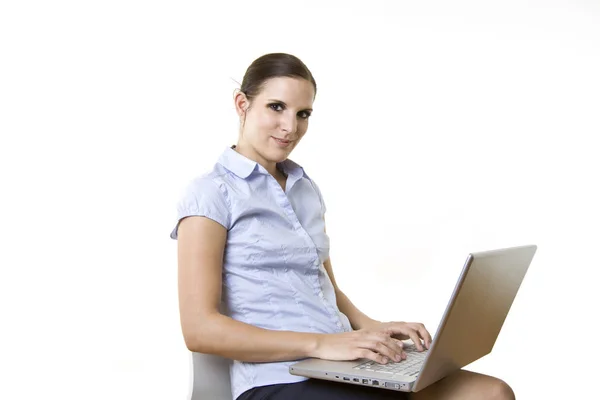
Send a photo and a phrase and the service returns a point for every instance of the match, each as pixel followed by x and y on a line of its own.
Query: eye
pixel 276 106
pixel 304 114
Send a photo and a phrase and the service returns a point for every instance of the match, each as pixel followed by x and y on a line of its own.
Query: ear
pixel 241 102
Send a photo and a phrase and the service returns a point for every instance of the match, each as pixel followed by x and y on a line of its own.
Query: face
pixel 276 120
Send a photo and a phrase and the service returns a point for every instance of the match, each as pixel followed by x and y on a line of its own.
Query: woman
pixel 256 283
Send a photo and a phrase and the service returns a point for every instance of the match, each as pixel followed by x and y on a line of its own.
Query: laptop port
pixel 375 383
pixel 392 385
pixel 356 380
pixel 346 379
pixel 365 381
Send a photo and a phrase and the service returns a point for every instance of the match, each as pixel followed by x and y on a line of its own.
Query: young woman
pixel 256 283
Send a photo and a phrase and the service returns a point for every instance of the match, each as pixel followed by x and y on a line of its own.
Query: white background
pixel 440 128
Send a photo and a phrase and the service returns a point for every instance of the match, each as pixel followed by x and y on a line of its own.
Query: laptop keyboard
pixel 411 366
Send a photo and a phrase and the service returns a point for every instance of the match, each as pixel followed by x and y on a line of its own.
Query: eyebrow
pixel 283 102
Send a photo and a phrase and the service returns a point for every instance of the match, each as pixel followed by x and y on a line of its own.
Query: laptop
pixel 475 313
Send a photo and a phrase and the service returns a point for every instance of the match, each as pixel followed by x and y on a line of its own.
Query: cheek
pixel 302 128
pixel 266 121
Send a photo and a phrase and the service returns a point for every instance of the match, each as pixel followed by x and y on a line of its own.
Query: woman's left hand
pixel 414 331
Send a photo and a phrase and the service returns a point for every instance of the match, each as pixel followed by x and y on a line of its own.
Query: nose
pixel 289 124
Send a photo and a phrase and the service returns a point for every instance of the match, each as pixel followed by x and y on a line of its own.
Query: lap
pixel 466 385
pixel 317 389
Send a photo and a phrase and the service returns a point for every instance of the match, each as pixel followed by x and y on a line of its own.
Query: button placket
pixel 286 205
pixel 284 202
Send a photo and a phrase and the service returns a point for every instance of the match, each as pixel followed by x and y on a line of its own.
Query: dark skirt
pixel 317 389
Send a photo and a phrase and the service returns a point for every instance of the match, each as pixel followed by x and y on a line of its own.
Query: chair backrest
pixel 210 379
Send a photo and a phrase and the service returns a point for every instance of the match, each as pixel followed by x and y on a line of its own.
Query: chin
pixel 278 155
pixel 279 158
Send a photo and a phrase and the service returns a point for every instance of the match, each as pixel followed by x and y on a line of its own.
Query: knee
pixel 500 390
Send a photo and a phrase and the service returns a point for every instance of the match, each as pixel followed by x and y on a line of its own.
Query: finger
pixel 397 348
pixel 406 331
pixel 388 347
pixel 378 346
pixel 396 345
pixel 397 331
pixel 423 333
pixel 416 340
pixel 371 355
pixel 426 336
pixel 384 345
pixel 401 345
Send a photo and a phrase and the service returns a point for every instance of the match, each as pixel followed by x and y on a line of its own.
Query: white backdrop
pixel 440 128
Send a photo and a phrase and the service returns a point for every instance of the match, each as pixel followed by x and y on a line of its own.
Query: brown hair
pixel 271 66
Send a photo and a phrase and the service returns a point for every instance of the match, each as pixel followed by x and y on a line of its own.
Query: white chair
pixel 210 377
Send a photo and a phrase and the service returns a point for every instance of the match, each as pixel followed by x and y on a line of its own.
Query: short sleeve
pixel 323 207
pixel 202 197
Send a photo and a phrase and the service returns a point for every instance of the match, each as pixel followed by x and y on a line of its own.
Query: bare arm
pixel 201 243
pixel 359 320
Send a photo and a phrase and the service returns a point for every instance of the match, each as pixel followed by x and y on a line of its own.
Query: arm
pixel 201 246
pixel 357 318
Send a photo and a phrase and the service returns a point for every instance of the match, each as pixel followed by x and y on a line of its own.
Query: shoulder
pixel 209 183
pixel 316 190
pixel 205 195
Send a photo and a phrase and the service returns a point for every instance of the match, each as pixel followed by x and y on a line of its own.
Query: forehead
pixel 296 92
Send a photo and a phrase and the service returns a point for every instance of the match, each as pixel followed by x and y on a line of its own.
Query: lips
pixel 281 142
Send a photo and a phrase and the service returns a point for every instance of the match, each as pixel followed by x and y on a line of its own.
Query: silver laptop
pixel 470 325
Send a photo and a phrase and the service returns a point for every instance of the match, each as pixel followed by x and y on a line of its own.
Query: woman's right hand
pixel 374 345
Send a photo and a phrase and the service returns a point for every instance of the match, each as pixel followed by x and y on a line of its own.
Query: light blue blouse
pixel 273 274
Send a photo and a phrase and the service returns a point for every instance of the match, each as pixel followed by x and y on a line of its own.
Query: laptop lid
pixel 476 311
